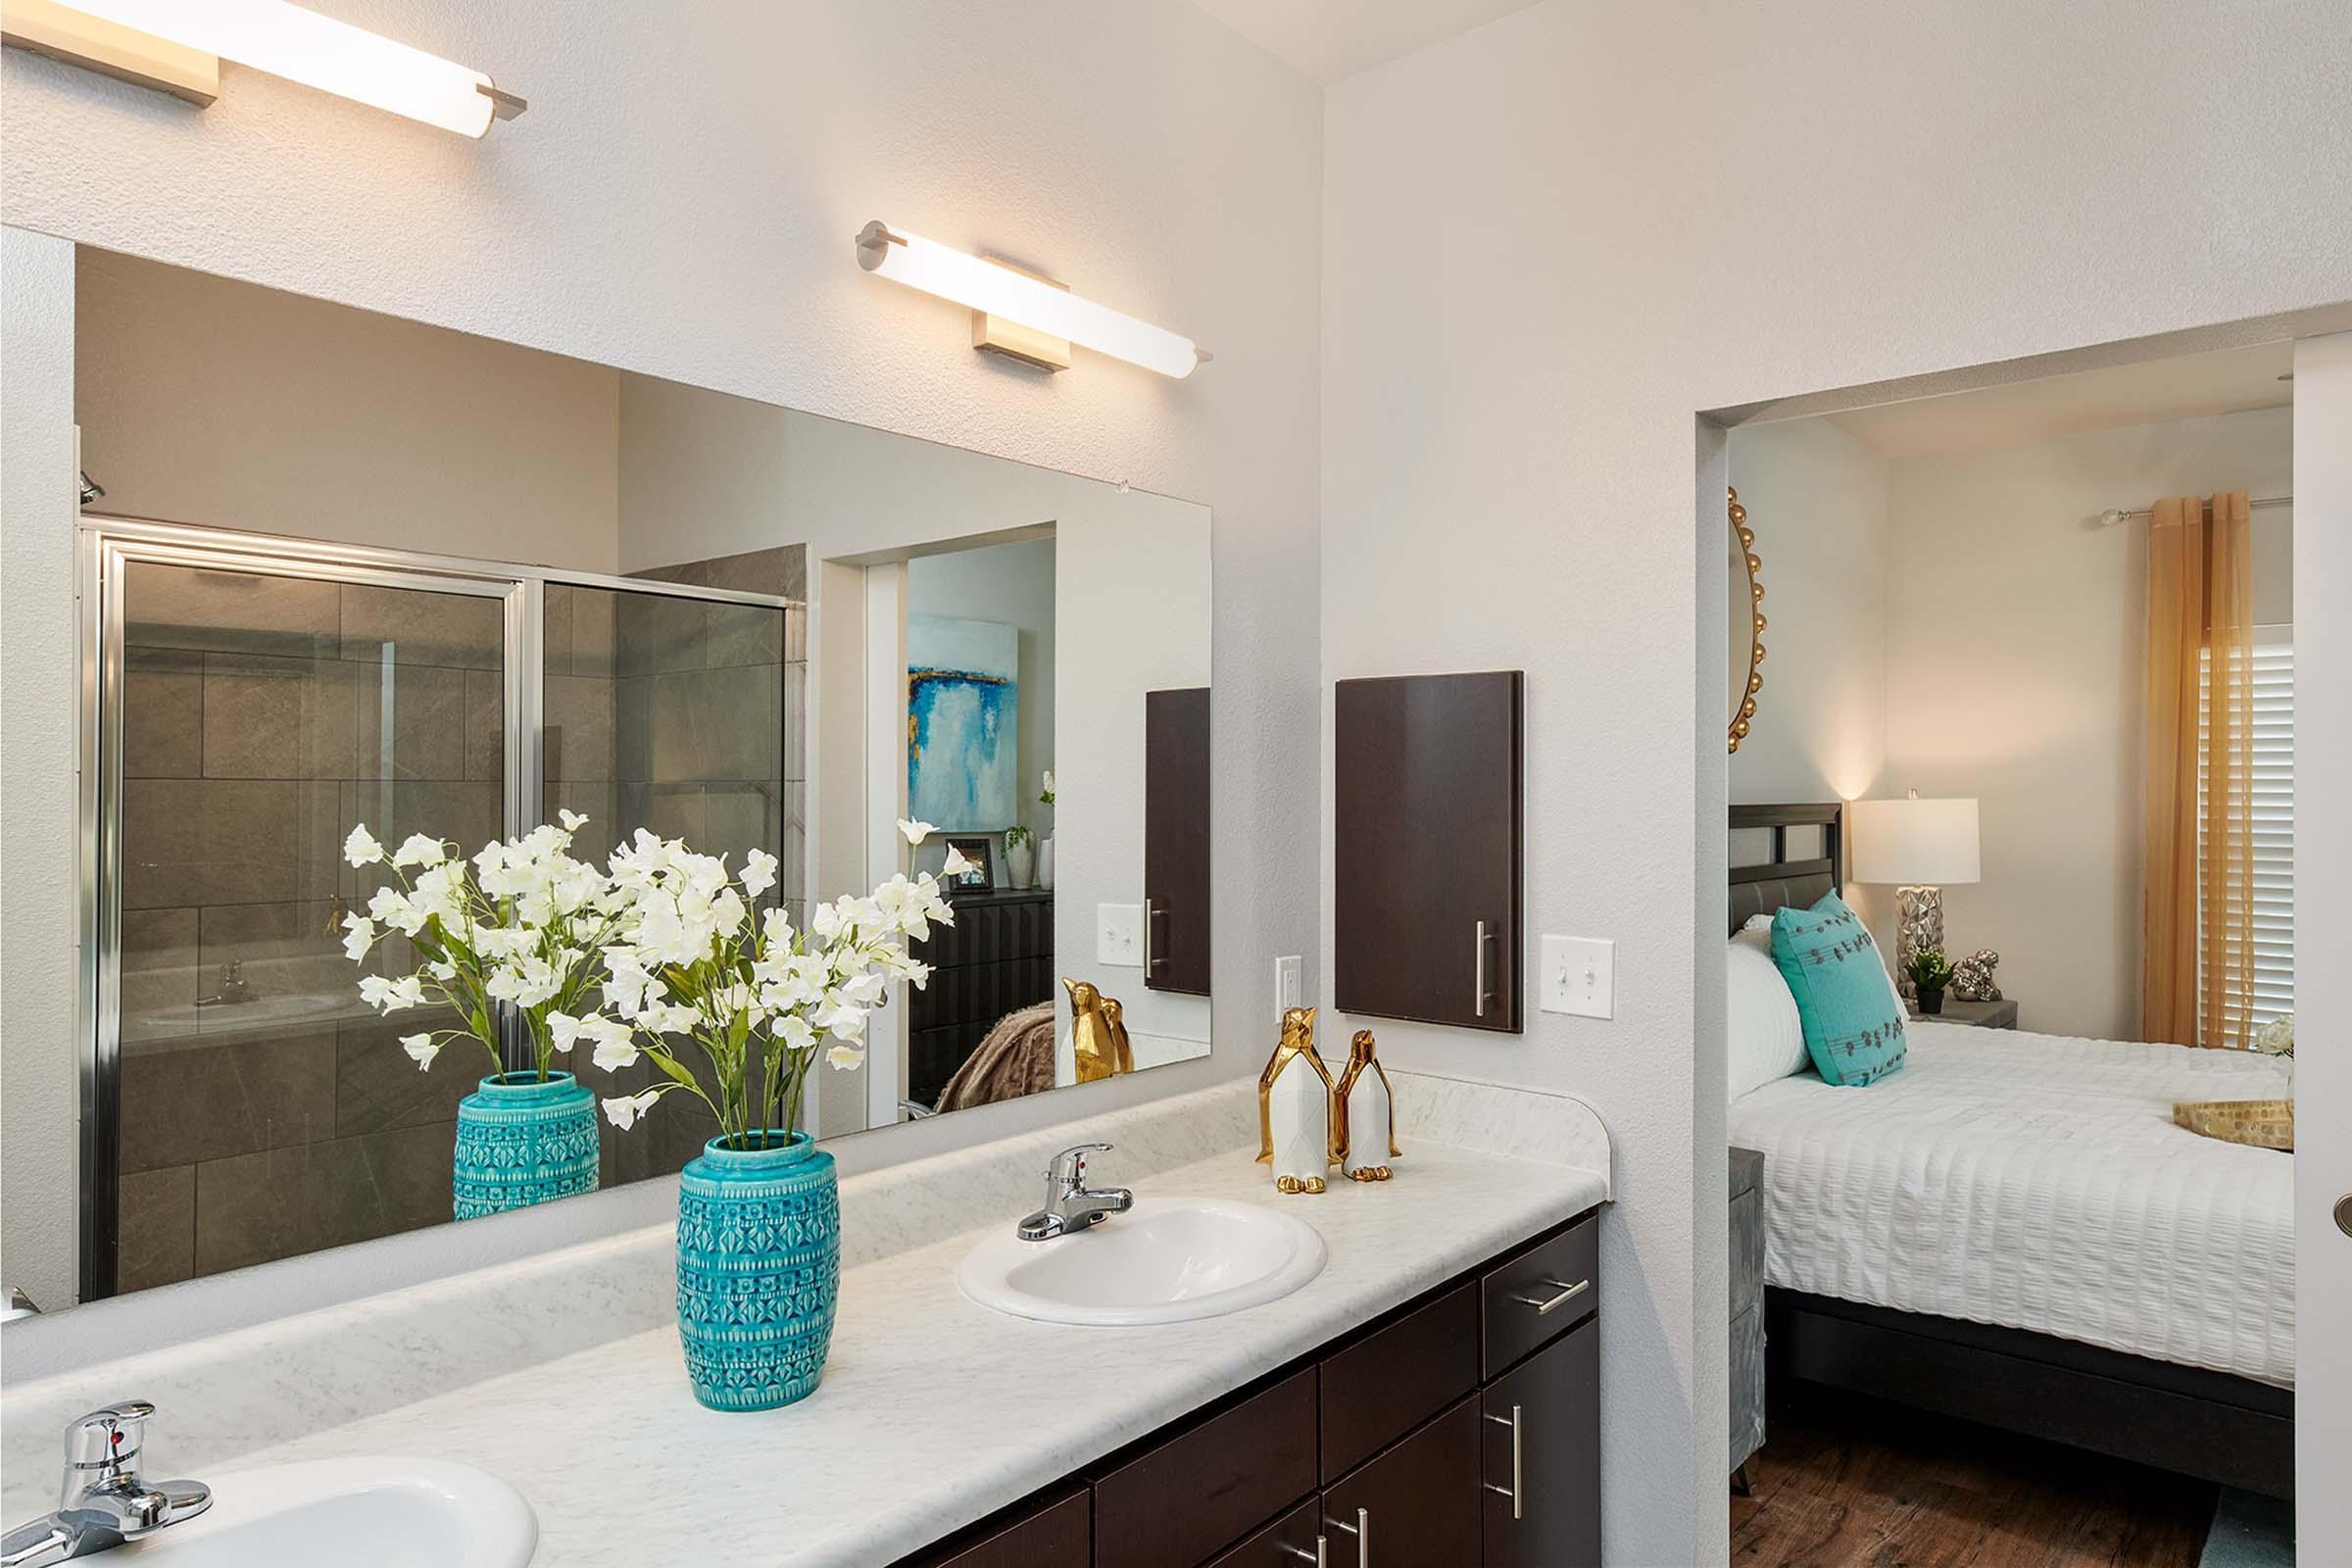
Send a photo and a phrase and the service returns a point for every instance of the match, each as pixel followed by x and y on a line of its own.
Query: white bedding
pixel 2037 1182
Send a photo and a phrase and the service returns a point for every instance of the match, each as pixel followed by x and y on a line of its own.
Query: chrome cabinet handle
pixel 1478 972
pixel 1518 1452
pixel 1545 1307
pixel 1361 1529
pixel 1151 960
pixel 1316 1556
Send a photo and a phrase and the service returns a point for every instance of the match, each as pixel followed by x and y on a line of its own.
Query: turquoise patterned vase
pixel 758 1271
pixel 522 1140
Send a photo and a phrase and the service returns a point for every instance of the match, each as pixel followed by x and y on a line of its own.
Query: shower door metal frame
pixel 106 547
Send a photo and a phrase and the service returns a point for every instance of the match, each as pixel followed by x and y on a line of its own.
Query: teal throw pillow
pixel 1853 1025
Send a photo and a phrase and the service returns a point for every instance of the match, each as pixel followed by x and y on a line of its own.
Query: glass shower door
pixel 666 712
pixel 258 716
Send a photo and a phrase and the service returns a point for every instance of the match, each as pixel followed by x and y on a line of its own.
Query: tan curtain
pixel 2197 982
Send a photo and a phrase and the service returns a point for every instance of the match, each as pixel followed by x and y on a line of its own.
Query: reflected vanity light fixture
pixel 176 44
pixel 1028 318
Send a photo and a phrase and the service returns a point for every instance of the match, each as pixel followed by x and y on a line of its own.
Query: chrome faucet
pixel 1070 1206
pixel 106 1501
pixel 233 987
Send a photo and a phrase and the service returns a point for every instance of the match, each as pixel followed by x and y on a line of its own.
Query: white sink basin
pixel 354 1514
pixel 1165 1261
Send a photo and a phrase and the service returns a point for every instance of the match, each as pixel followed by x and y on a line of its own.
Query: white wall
pixel 209 401
pixel 2016 658
pixel 1546 244
pixel 1011 584
pixel 1817 500
pixel 672 205
pixel 40 1093
pixel 2323 926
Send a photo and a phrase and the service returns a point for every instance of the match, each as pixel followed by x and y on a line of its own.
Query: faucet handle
pixel 108 1439
pixel 1070 1164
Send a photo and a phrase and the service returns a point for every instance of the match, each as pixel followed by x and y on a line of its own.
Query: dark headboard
pixel 1763 887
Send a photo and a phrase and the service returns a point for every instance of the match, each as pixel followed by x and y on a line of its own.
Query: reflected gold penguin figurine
pixel 1098 1042
pixel 1294 1108
pixel 1363 1115
pixel 1122 1055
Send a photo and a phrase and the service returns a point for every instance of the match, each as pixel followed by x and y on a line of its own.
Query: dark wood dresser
pixel 998 957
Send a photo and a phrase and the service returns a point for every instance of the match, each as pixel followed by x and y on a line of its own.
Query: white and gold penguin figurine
pixel 1363 1118
pixel 1294 1108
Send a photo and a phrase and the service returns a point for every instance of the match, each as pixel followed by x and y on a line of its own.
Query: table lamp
pixel 1922 847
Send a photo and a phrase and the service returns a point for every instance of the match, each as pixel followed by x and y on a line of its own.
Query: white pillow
pixel 1765 1037
pixel 1763 923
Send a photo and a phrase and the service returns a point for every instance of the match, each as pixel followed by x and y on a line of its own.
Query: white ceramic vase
pixel 1017 863
pixel 1044 864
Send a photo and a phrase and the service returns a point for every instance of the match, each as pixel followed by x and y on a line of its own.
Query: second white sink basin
pixel 354 1514
pixel 1165 1261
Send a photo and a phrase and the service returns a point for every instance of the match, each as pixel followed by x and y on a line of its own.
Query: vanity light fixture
pixel 176 45
pixel 1028 318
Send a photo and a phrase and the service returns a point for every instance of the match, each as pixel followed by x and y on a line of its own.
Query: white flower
pixel 666 1019
pixel 417 849
pixel 758 872
pixel 1048 781
pixel 917 831
pixel 396 910
pixel 615 1043
pixel 956 864
pixel 526 981
pixel 841 1021
pixel 573 821
pixel 359 938
pixel 421 1047
pixel 563 1029
pixel 622 1110
pixel 390 996
pixel 360 849
pixel 845 1057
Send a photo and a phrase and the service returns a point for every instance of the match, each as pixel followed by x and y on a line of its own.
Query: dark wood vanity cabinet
pixel 1176 840
pixel 1426 848
pixel 1396 1444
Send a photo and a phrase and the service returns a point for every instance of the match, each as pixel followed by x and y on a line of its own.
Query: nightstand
pixel 2000 1014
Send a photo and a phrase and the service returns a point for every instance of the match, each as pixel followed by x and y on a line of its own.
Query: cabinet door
pixel 1426 848
pixel 1176 841
pixel 1416 1504
pixel 1541 1431
pixel 1054 1533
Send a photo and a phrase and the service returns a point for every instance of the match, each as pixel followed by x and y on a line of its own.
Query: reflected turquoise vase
pixel 522 1140
pixel 758 1271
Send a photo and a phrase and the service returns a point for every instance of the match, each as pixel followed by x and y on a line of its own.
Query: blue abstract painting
pixel 962 713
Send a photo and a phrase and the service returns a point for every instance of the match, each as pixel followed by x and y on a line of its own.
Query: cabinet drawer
pixel 1203 1489
pixel 1540 1294
pixel 1418 1500
pixel 1541 1441
pixel 1284 1544
pixel 1052 1535
pixel 1393 1380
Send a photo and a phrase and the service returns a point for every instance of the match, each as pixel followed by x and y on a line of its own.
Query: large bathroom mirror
pixel 341 569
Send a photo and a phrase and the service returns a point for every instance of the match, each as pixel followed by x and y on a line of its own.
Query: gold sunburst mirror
pixel 1746 621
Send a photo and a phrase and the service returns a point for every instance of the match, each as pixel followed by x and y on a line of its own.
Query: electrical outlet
pixel 1289 982
pixel 1119 935
pixel 1579 977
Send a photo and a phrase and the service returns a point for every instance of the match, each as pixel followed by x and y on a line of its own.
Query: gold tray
pixel 2261 1123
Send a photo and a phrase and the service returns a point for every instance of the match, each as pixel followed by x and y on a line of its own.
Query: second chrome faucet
pixel 1070 1205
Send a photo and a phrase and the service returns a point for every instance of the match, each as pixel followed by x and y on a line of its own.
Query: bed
pixel 2010 1229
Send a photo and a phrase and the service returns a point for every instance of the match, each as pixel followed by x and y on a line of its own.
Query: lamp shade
pixel 1915 843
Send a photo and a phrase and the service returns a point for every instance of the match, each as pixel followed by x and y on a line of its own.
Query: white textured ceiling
pixel 1328 40
pixel 2185 388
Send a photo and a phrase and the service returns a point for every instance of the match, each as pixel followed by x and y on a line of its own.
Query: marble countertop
pixel 936 1411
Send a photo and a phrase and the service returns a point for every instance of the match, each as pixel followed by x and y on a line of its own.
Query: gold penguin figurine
pixel 1294 1108
pixel 1363 1115
pixel 1122 1055
pixel 1098 1041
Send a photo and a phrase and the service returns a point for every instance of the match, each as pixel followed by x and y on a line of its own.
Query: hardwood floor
pixel 1850 1482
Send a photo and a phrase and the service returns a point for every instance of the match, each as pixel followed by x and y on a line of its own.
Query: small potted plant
pixel 1020 855
pixel 1931 971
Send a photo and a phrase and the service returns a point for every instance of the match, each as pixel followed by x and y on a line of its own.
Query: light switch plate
pixel 1289 982
pixel 1119 935
pixel 1579 977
